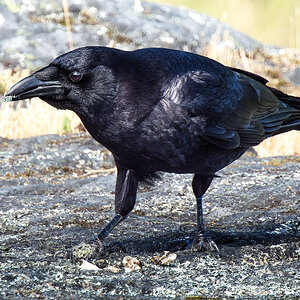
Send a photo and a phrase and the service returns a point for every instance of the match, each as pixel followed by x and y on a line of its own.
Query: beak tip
pixel 30 87
pixel 7 97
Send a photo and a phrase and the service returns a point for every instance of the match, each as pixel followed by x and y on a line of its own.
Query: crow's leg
pixel 110 226
pixel 202 240
pixel 125 196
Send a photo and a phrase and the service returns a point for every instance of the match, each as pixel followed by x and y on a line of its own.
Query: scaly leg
pixel 202 240
pixel 125 196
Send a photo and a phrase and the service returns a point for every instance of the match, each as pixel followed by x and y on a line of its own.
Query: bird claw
pixel 87 251
pixel 97 249
pixel 203 242
pixel 93 250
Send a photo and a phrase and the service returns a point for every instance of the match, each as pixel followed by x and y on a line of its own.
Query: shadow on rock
pixel 228 242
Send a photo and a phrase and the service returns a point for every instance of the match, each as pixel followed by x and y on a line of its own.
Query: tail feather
pixel 290 125
pixel 293 101
pixel 286 118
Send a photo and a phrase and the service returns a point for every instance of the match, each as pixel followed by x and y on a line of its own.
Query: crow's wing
pixel 234 104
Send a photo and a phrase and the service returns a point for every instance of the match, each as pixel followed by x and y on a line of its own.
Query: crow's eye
pixel 76 76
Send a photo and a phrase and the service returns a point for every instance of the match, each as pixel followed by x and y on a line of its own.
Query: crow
pixel 162 110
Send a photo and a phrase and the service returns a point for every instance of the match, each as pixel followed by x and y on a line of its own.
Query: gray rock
pixel 295 76
pixel 32 33
pixel 57 192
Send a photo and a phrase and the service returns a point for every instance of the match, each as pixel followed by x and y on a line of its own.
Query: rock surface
pixel 57 191
pixel 33 32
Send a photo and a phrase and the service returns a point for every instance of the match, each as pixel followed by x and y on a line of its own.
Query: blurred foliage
pixel 11 5
pixel 67 128
pixel 275 22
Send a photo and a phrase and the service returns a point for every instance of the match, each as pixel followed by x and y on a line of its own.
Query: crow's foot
pixel 93 250
pixel 203 242
pixel 87 251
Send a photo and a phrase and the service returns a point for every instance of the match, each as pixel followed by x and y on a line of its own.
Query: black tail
pixel 286 117
pixel 290 100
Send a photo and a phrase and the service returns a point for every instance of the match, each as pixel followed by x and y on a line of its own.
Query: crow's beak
pixel 30 87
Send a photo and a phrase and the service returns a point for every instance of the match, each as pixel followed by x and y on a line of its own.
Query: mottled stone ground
pixel 56 192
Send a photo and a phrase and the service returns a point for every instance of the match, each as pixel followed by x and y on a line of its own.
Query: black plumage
pixel 163 110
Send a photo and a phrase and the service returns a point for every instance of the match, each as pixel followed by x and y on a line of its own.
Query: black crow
pixel 162 110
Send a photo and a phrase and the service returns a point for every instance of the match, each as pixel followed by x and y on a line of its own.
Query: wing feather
pixel 237 108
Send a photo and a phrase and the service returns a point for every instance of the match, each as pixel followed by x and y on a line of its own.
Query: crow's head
pixel 79 80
